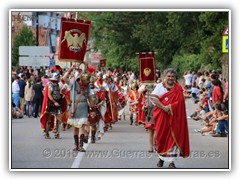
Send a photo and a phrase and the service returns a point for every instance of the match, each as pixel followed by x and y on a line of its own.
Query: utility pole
pixel 37 43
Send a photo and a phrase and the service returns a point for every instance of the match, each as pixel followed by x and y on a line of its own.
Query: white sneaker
pixel 205 134
pixel 199 131
pixel 204 128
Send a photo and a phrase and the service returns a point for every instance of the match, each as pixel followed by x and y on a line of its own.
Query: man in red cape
pixel 47 118
pixel 111 115
pixel 171 127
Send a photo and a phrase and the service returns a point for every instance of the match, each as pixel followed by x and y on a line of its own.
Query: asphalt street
pixel 124 146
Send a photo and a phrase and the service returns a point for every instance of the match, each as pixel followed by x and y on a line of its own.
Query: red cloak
pixel 44 113
pixel 172 129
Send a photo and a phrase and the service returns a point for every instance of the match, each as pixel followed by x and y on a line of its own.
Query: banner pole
pixel 73 93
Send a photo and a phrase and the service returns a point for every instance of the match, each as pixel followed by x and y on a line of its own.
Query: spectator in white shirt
pixel 188 79
pixel 16 91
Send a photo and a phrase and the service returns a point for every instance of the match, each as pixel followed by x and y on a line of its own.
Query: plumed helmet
pixel 55 77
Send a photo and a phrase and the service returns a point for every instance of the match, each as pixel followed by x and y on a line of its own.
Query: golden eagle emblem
pixel 147 71
pixel 74 42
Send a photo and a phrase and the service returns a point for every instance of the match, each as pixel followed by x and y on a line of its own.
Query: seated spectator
pixel 200 113
pixel 212 122
pixel 222 120
pixel 204 101
pixel 194 92
pixel 186 92
pixel 16 112
pixel 208 116
pixel 217 93
pixel 202 83
pixel 188 79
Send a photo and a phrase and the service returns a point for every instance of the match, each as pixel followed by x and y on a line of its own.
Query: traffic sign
pixel 225 32
pixel 225 44
pixel 34 50
pixel 34 56
pixel 34 61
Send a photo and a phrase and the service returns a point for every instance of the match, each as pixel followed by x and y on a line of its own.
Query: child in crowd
pixel 186 92
pixel 200 113
pixel 194 92
pixel 16 112
pixel 222 127
pixel 212 120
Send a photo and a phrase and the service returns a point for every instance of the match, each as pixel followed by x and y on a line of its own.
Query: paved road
pixel 124 146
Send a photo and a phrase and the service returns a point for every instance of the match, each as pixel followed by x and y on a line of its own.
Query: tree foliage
pixel 24 38
pixel 183 40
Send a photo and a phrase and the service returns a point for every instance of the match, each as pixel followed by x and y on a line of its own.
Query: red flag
pixel 102 62
pixel 73 39
pixel 147 67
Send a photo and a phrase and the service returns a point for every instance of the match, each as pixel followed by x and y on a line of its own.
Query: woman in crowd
pixel 28 95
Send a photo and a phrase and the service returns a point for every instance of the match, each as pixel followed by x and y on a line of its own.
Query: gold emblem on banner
pixel 147 71
pixel 74 41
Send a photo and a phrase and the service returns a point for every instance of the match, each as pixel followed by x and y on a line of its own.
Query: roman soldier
pixel 111 115
pixel 94 114
pixel 102 92
pixel 133 97
pixel 78 113
pixel 54 105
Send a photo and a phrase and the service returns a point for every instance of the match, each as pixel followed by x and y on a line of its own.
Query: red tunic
pixel 133 95
pixel 217 95
pixel 172 129
pixel 141 112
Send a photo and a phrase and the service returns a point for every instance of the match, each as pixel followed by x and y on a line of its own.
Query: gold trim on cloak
pixel 173 136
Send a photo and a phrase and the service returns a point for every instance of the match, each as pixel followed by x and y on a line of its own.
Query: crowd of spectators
pixel 28 85
pixel 209 91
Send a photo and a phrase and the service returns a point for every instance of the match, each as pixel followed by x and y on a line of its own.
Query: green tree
pixel 186 62
pixel 175 36
pixel 24 38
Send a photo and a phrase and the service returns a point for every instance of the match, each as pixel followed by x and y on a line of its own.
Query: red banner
pixel 102 62
pixel 73 39
pixel 147 67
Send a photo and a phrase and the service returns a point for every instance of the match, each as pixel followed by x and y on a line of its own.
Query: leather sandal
pixel 172 165
pixel 57 136
pixel 81 149
pixel 47 136
pixel 160 163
